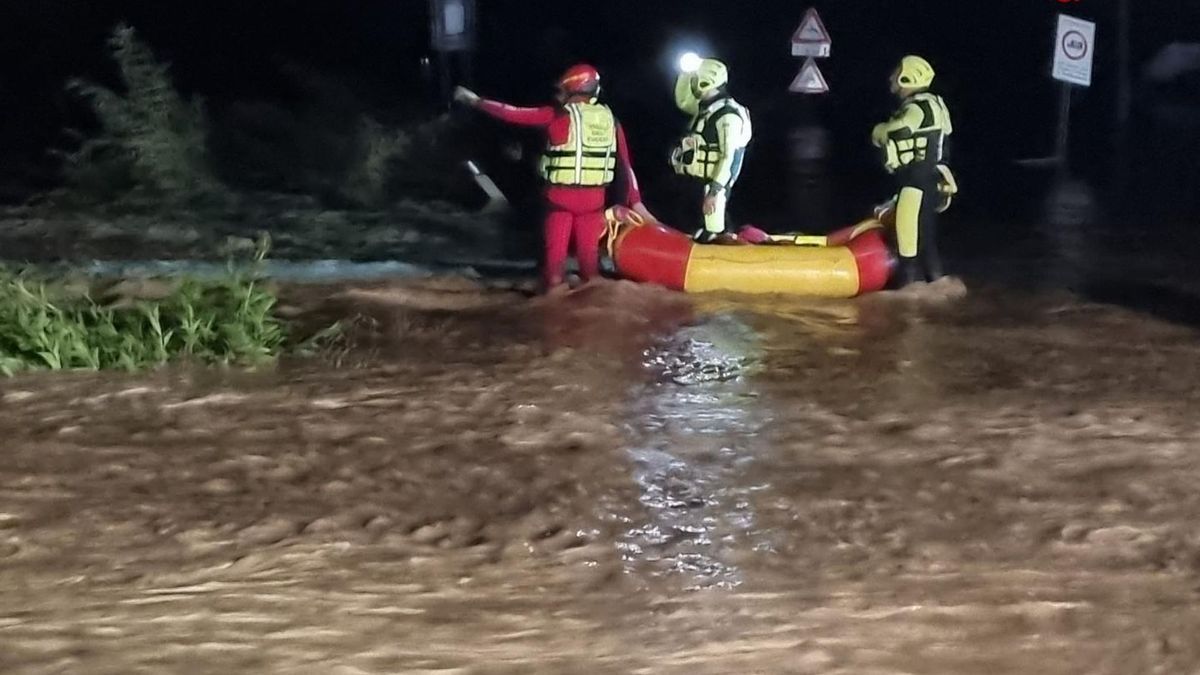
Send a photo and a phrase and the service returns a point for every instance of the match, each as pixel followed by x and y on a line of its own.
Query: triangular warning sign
pixel 809 80
pixel 811 30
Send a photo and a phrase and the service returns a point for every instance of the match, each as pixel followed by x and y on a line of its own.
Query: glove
pixel 879 135
pixel 466 96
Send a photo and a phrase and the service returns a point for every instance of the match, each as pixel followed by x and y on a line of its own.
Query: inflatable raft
pixel 844 264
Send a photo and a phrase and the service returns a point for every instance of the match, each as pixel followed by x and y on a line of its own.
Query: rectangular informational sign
pixel 452 24
pixel 1074 47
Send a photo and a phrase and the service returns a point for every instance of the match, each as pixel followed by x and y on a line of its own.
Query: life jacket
pixel 925 144
pixel 699 152
pixel 589 156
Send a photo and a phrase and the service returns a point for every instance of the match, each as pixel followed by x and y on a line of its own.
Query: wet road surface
pixel 622 480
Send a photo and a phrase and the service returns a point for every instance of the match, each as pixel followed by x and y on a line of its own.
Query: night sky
pixel 992 61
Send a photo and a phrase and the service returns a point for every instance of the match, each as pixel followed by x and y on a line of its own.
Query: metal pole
pixel 468 67
pixel 1064 128
pixel 1124 94
pixel 444 76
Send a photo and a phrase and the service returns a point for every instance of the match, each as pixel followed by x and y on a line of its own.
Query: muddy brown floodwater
pixel 621 480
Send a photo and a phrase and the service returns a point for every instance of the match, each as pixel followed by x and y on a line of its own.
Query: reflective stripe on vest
pixel 926 143
pixel 589 157
pixel 699 153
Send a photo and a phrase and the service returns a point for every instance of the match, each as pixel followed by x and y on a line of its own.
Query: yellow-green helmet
pixel 712 74
pixel 915 73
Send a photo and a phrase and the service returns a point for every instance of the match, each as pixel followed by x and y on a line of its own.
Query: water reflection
pixel 1145 269
pixel 809 182
pixel 696 431
pixel 729 392
pixel 1069 218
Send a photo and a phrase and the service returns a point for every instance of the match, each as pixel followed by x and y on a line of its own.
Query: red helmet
pixel 580 80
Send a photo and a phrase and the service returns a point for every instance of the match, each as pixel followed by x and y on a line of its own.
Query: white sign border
pixel 1074 70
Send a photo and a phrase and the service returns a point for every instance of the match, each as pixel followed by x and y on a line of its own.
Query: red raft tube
pixel 843 264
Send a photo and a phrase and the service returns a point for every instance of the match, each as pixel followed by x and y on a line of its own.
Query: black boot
pixel 931 262
pixel 908 272
pixel 933 270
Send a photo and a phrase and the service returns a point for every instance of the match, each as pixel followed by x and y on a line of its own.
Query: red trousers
pixel 578 213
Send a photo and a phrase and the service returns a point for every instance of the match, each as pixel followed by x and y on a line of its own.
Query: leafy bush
pixel 324 176
pixel 151 139
pixel 230 320
pixel 328 142
pixel 380 147
pixel 154 147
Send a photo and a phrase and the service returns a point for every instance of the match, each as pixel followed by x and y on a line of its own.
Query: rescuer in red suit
pixel 585 150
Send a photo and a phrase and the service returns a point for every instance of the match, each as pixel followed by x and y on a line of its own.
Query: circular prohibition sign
pixel 1074 45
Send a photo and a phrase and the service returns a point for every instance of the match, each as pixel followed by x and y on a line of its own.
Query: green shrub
pixel 151 142
pixel 44 325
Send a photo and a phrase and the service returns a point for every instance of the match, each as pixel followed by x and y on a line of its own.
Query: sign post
pixel 808 187
pixel 452 31
pixel 1074 50
pixel 1124 96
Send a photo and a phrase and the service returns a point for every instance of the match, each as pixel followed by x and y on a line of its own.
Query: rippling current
pixel 622 479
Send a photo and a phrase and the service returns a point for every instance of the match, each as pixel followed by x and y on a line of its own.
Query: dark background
pixel 992 60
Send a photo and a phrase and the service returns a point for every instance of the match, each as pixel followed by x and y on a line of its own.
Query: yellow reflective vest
pixel 589 157
pixel 715 143
pixel 916 134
